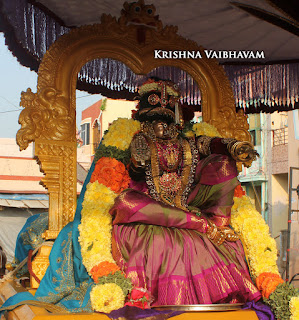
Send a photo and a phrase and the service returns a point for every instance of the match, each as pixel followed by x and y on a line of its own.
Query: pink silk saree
pixel 165 250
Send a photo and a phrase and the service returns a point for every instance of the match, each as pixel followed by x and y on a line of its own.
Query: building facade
pixel 21 193
pixel 268 180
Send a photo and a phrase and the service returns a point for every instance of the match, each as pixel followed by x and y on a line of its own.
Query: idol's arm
pixel 241 151
pixel 136 207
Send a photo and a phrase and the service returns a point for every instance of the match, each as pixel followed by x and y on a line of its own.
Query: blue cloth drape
pixel 66 282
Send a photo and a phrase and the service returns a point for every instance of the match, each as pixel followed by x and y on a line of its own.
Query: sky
pixel 14 79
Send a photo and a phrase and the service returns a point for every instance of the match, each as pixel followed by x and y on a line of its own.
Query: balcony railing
pixel 280 136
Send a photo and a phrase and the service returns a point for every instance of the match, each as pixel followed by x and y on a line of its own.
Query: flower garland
pixel 259 246
pixel 205 129
pixel 261 253
pixel 109 178
pixel 153 85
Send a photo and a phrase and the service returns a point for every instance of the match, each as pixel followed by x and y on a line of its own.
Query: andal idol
pixel 171 232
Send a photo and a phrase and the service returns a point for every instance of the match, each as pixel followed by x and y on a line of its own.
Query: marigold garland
pixel 261 253
pixel 259 246
pixel 109 178
pixel 267 282
pixel 95 227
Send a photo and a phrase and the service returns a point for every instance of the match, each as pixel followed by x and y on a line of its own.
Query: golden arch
pixel 48 117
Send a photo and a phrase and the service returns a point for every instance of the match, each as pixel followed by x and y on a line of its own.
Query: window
pixel 256 136
pixel 85 133
pixel 280 136
pixel 255 128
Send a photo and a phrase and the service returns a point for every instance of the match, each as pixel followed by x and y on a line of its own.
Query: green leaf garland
pixel 279 300
pixel 113 152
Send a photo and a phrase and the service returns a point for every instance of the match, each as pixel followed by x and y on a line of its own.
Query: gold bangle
pixel 233 150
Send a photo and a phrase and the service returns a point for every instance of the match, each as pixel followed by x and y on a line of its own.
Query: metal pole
pixel 289 224
pixel 291 189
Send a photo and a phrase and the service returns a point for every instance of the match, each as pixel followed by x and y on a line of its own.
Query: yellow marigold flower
pixel 98 193
pixel 121 132
pixel 294 308
pixel 88 237
pixel 189 134
pixel 107 297
pixel 205 129
pixel 260 247
pixel 94 240
pixel 89 209
pixel 91 259
pixel 97 221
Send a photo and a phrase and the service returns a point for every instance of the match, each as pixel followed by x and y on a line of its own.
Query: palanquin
pixel 49 120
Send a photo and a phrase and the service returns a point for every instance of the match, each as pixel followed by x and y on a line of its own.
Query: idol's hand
pixel 140 151
pixel 219 234
pixel 243 151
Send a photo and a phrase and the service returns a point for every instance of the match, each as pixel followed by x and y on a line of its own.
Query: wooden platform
pixel 26 312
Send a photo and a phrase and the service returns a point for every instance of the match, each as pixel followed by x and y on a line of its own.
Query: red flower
pixel 138 294
pixel 139 298
pixel 130 304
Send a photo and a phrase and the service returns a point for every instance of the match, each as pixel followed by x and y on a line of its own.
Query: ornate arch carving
pixel 48 117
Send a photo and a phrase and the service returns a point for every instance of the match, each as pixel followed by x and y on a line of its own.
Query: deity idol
pixel 171 228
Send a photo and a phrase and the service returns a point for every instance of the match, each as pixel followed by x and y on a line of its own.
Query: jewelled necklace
pixel 170 154
pixel 169 186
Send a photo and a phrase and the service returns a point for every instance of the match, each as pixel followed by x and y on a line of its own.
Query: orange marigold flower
pixel 111 173
pixel 271 287
pixel 239 192
pixel 267 282
pixel 103 269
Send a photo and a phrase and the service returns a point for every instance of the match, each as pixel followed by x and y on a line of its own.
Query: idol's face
pixel 163 130
pixel 159 128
